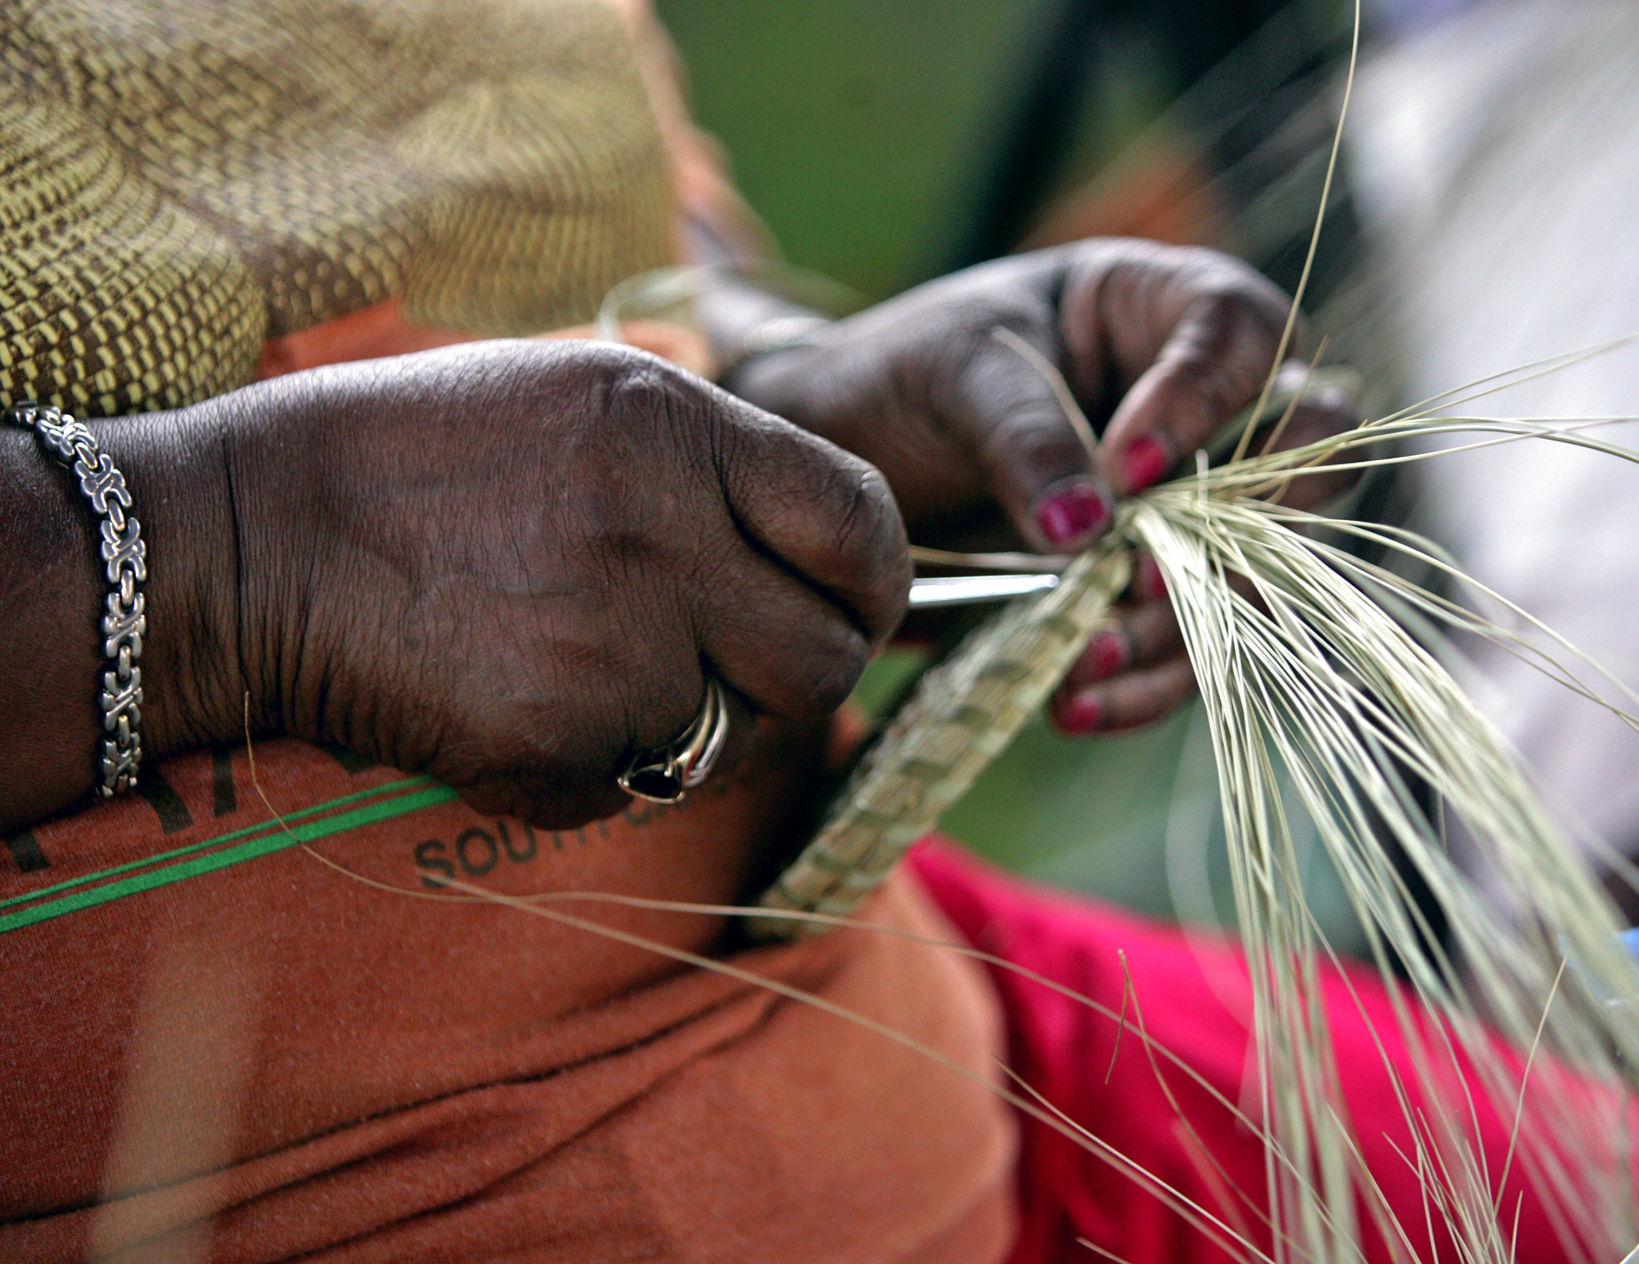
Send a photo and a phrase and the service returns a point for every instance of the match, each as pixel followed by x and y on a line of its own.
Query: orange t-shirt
pixel 235 1037
pixel 227 1048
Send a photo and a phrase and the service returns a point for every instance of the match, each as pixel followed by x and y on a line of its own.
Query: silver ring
pixel 662 774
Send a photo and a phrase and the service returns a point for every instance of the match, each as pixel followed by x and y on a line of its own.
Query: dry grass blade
pixel 1319 702
pixel 1315 688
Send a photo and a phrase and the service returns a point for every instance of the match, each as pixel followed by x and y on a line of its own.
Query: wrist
pixel 742 321
pixel 60 545
pixel 193 674
pixel 791 331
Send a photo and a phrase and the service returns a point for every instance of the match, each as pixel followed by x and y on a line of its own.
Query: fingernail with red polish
pixel 1082 715
pixel 1148 581
pixel 1106 655
pixel 1072 516
pixel 1144 462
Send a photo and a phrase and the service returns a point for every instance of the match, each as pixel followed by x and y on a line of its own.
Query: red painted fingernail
pixel 1073 516
pixel 1148 580
pixel 1082 715
pixel 1144 462
pixel 1106 655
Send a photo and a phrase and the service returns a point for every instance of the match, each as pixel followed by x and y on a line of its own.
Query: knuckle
pixel 867 519
pixel 1241 316
pixel 1019 311
pixel 1199 278
pixel 1326 404
pixel 635 393
pixel 644 387
pixel 833 669
pixel 603 366
pixel 1035 443
pixel 869 535
pixel 969 364
pixel 1218 359
pixel 1206 388
pixel 1222 276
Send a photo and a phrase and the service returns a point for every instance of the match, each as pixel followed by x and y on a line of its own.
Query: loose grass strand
pixel 1314 687
pixel 1321 687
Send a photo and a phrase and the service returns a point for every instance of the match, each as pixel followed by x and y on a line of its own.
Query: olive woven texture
pixel 181 180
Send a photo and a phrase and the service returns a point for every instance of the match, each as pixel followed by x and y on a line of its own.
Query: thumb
pixel 1009 406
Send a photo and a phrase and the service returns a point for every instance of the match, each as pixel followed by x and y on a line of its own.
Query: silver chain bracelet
pixel 125 563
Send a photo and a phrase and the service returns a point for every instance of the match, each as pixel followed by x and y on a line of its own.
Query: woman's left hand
pixel 1160 345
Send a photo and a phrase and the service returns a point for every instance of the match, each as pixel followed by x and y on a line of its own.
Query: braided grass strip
pixel 963 714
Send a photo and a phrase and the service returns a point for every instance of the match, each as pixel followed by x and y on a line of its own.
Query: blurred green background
pixel 885 144
pixel 888 143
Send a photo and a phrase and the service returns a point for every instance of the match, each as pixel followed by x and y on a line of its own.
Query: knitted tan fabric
pixel 181 180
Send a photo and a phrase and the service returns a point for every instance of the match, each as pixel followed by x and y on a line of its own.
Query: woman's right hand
pixel 511 564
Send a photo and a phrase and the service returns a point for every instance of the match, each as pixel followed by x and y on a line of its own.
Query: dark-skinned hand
pixel 1160 345
pixel 508 565
pixel 516 561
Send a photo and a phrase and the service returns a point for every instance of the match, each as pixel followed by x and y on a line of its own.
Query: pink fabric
pixel 1194 996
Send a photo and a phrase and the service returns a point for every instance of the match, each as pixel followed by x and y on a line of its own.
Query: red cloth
pixel 1195 998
